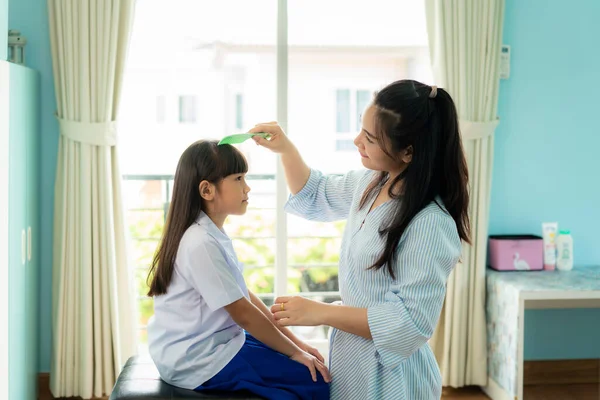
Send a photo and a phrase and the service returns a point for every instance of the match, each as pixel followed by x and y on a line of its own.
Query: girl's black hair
pixel 203 160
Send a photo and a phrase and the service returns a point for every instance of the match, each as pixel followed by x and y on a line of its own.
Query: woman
pixel 406 218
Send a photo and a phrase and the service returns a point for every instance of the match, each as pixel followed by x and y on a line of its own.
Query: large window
pixel 236 78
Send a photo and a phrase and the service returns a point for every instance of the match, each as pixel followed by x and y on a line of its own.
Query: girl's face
pixel 231 197
pixel 371 150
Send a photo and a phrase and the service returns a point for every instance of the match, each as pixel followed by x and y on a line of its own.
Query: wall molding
pixel 44 386
pixel 561 372
pixel 44 392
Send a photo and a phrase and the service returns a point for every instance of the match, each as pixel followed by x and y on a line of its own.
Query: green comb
pixel 241 137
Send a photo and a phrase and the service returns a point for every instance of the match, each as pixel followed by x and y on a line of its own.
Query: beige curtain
pixel 92 305
pixel 465 38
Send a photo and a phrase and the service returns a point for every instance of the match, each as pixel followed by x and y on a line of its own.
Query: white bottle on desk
pixel 564 248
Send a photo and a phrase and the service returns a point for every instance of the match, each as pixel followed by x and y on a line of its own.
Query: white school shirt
pixel 191 337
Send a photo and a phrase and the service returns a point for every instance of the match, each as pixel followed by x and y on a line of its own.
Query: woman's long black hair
pixel 410 114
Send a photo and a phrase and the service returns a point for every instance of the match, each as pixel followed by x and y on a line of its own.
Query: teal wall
pixel 31 18
pixel 547 146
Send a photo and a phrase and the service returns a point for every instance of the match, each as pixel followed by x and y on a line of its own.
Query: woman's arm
pixel 304 312
pixel 263 308
pixel 348 319
pixel 315 196
pixel 296 170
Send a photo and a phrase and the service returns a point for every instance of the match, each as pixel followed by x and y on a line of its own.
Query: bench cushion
pixel 139 380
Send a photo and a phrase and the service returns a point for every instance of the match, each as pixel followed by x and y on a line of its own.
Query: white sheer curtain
pixel 465 38
pixel 93 323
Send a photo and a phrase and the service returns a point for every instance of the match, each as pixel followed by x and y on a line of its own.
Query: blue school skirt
pixel 260 370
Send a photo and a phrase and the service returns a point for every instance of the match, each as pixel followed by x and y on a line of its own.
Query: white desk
pixel 508 295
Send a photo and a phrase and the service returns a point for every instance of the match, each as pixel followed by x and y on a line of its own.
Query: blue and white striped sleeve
pixel 427 253
pixel 325 198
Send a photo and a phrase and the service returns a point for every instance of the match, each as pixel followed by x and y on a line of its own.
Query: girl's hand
pixel 298 311
pixel 277 143
pixel 313 364
pixel 311 350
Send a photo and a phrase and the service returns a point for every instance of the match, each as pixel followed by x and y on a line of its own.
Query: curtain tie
pixel 472 130
pixel 93 133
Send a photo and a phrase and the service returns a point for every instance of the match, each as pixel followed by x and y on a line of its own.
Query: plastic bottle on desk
pixel 564 247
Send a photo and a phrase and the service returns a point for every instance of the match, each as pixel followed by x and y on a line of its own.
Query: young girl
pixel 407 216
pixel 209 332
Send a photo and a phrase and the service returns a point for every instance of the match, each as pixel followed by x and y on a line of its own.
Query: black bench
pixel 139 380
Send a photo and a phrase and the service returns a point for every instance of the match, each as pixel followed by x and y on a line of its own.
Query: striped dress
pixel 403 312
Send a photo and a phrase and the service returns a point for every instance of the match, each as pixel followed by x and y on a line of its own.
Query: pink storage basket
pixel 516 253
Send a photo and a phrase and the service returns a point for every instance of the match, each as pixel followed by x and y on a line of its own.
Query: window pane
pixel 141 287
pixel 258 257
pixel 146 310
pixel 145 223
pixel 239 111
pixel 313 264
pixel 260 280
pixel 143 339
pixel 363 98
pixel 256 223
pixel 145 193
pixel 345 145
pixel 161 105
pixel 209 57
pixel 334 68
pixel 313 250
pixel 319 279
pixel 300 227
pixel 342 112
pixel 255 252
pixel 142 252
pixel 187 109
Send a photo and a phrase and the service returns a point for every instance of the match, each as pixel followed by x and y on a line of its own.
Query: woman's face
pixel 371 150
